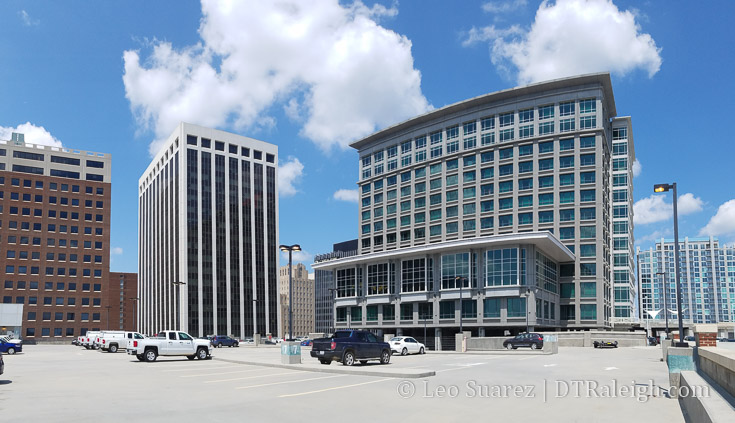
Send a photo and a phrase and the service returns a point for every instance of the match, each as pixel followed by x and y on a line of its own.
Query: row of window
pixel 46 332
pixel 231 148
pixel 54 158
pixel 52 227
pixel 50 242
pixel 26 211
pixel 60 316
pixel 59 271
pixel 53 186
pixel 47 301
pixel 37 198
pixel 49 286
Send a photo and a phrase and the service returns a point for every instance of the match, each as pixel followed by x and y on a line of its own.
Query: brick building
pixel 122 298
pixel 54 237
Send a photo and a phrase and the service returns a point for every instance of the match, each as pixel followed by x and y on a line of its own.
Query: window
pixel 487 206
pixel 487 123
pixel 487 222
pixel 587 250
pixel 587 177
pixel 566 161
pixel 588 311
pixel 587 232
pixel 525 218
pixel 491 308
pixel 506 135
pixel 506 153
pixel 586 195
pixel 505 170
pixel 588 269
pixel 506 119
pixel 505 203
pixel 545 181
pixel 506 186
pixel 566 109
pixel 525 167
pixel 587 159
pixel 525 201
pixel 587 213
pixel 566 233
pixel 566 197
pixel 545 164
pixel 487 189
pixel 516 307
pixel 506 220
pixel 524 184
pixel 545 216
pixel 545 199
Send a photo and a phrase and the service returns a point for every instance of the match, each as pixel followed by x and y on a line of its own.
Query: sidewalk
pixel 270 356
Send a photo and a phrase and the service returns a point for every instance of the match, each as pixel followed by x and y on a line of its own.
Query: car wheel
pixel 11 350
pixel 348 359
pixel 236 344
pixel 404 351
pixel 421 351
pixel 509 346
pixel 113 348
pixel 140 357
pixel 326 362
pixel 385 357
pixel 534 346
pixel 202 353
pixel 150 355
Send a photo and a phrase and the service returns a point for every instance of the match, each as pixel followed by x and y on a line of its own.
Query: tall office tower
pixel 624 286
pixel 55 237
pixel 302 310
pixel 324 286
pixel 123 300
pixel 487 190
pixel 707 277
pixel 208 231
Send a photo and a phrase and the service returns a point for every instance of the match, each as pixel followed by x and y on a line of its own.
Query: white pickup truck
pixel 170 343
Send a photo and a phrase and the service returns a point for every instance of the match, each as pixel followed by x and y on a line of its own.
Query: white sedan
pixel 406 345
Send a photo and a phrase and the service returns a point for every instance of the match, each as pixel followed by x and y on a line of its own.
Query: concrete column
pixel 438 339
pixel 481 332
pixel 399 332
pixel 706 335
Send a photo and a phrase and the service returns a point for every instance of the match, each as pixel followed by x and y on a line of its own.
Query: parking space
pixel 58 382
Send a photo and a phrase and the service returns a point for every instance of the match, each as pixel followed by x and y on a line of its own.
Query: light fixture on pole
pixel 665 188
pixel 666 313
pixel 290 249
pixel 178 303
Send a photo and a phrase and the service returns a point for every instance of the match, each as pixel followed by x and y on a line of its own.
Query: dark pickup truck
pixel 349 346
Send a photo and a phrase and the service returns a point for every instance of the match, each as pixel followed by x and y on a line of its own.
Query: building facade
pixel 122 300
pixel 324 286
pixel 55 237
pixel 208 231
pixel 302 303
pixel 707 277
pixel 546 157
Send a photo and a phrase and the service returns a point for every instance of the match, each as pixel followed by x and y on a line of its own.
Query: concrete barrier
pixel 719 365
pixel 700 402
pixel 566 339
pixel 679 359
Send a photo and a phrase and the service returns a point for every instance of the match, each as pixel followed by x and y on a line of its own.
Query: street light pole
pixel 666 312
pixel 663 188
pixel 460 280
pixel 332 295
pixel 528 295
pixel 178 303
pixel 290 249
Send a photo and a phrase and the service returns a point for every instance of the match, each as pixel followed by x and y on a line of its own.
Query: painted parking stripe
pixel 289 382
pixel 188 369
pixel 225 373
pixel 253 377
pixel 334 388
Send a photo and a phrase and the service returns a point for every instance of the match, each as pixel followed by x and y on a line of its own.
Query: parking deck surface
pixel 66 383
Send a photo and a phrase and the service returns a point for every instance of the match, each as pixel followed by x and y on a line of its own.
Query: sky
pixel 312 76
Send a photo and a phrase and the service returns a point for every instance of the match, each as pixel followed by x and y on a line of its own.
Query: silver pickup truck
pixel 170 343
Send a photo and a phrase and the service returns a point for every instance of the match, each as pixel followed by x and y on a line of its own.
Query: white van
pixel 89 338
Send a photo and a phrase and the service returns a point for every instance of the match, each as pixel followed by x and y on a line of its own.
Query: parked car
pixel 2 364
pixel 349 346
pixel 247 341
pixel 170 343
pixel 223 340
pixel 726 340
pixel 306 343
pixel 10 347
pixel 406 345
pixel 532 340
pixel 653 341
pixel 605 344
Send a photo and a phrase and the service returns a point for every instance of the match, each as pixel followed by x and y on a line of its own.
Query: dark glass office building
pixel 208 230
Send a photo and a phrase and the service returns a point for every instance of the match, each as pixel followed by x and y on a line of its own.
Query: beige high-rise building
pixel 303 300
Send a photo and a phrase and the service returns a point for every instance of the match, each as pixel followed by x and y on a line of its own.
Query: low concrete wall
pixel 702 403
pixel 719 365
pixel 566 339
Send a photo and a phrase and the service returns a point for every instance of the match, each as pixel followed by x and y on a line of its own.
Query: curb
pixel 492 352
pixel 396 374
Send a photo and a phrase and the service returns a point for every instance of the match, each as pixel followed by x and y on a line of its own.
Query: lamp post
pixel 461 280
pixel 135 302
pixel 665 188
pixel 290 249
pixel 528 295
pixel 178 305
pixel 332 294
pixel 666 312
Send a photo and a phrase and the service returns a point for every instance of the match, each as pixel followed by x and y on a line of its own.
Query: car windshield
pixel 397 338
pixel 342 334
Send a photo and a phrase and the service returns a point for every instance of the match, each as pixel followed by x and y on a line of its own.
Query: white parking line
pixel 188 369
pixel 334 388
pixel 527 358
pixel 225 373
pixel 289 382
pixel 253 377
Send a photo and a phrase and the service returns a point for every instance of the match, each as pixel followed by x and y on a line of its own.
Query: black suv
pixel 223 340
pixel 533 340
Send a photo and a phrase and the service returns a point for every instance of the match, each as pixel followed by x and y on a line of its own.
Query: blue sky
pixel 312 76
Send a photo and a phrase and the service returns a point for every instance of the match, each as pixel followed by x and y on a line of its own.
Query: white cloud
pixel 27 20
pixel 723 222
pixel 116 251
pixel 349 195
pixel 689 204
pixel 32 134
pixel 298 256
pixel 572 37
pixel 637 168
pixel 351 75
pixel 289 174
pixel 656 209
pixel 653 236
pixel 504 6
